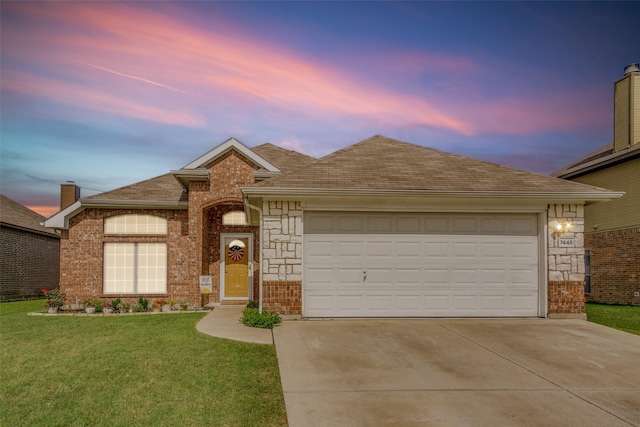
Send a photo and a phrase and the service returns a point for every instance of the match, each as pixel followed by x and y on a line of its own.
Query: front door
pixel 236 267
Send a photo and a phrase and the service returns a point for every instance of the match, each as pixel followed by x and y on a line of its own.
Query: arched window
pixel 135 224
pixel 234 218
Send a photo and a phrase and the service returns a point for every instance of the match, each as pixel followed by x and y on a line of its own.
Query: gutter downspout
pixel 246 202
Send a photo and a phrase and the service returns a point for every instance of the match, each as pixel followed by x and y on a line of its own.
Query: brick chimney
pixel 626 112
pixel 69 194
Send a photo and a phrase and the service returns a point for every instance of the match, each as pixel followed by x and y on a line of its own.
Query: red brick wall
pixel 615 266
pixel 282 297
pixel 81 255
pixel 193 243
pixel 213 224
pixel 566 298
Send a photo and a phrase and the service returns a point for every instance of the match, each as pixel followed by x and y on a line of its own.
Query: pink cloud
pixel 134 43
pixel 149 64
pixel 293 145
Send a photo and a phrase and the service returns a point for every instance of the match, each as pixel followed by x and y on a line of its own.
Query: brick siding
pixel 193 238
pixel 283 297
pixel 29 262
pixel 615 266
pixel 566 299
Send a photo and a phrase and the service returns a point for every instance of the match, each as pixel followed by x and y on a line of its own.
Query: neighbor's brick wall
pixel 615 266
pixel 29 262
pixel 282 256
pixel 566 264
pixel 81 256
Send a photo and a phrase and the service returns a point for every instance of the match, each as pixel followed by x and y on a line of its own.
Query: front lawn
pixel 131 370
pixel 623 317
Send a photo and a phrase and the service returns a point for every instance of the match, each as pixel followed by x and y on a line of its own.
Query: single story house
pixel 382 228
pixel 612 230
pixel 29 252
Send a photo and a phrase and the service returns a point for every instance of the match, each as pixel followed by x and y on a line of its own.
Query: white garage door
pixel 404 265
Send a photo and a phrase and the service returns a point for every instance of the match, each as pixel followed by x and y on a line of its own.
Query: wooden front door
pixel 236 268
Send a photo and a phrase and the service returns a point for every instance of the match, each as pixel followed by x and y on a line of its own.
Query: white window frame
pixel 127 270
pixel 234 218
pixel 135 224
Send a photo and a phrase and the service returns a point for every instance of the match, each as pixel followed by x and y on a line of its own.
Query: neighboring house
pixel 380 228
pixel 29 252
pixel 612 230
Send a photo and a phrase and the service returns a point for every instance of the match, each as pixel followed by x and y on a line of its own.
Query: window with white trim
pixel 135 268
pixel 234 218
pixel 135 224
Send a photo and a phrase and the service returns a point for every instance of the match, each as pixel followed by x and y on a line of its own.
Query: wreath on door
pixel 236 253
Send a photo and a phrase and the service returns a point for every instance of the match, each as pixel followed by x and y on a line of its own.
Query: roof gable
pixel 231 144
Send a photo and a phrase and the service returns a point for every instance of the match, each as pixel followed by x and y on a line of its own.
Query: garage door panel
pixel 383 250
pixel 420 265
pixel 348 249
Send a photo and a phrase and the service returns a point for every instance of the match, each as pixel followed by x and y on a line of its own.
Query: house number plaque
pixel 565 243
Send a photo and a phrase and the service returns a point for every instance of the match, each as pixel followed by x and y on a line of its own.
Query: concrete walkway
pixel 224 322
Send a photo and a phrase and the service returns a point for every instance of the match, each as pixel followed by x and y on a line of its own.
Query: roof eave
pixel 60 220
pixel 30 230
pixel 347 192
pixel 599 163
pixel 226 146
pixel 185 176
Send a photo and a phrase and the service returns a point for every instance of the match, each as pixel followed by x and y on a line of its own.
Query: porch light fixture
pixel 560 227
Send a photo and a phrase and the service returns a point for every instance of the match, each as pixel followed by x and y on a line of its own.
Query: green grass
pixel 623 317
pixel 131 370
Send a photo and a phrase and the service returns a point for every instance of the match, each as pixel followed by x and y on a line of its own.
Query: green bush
pixel 251 317
pixel 253 304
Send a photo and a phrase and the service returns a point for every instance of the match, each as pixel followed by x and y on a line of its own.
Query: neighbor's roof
pixel 597 159
pixel 381 163
pixel 13 214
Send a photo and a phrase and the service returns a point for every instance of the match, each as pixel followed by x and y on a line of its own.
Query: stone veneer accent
pixel 282 256
pixel 566 264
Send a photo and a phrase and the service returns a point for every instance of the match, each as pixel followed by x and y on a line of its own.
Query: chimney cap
pixel 631 68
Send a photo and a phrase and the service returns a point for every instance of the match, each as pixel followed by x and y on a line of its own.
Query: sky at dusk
pixel 110 93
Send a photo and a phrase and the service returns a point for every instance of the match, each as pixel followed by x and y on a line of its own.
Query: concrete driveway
pixel 455 372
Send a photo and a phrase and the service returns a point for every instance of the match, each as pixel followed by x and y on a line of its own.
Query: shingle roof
pixel 381 163
pixel 282 158
pixel 14 214
pixel 163 188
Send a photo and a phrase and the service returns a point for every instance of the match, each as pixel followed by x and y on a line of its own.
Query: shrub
pixel 251 317
pixel 253 304
pixel 143 303
pixel 55 298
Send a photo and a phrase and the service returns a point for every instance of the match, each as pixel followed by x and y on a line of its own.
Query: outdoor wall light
pixel 560 227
